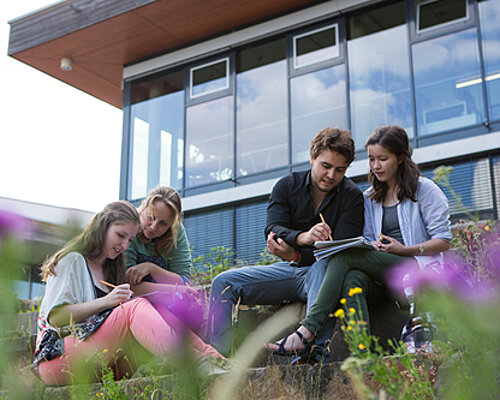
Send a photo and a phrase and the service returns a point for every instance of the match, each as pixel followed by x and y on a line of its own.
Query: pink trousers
pixel 136 321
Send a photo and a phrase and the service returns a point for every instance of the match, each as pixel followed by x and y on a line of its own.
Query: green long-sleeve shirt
pixel 177 261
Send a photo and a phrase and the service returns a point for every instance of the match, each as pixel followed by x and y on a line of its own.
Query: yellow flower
pixel 342 301
pixel 352 322
pixel 105 351
pixel 361 346
pixel 339 313
pixel 349 328
pixel 487 228
pixel 354 291
pixel 352 311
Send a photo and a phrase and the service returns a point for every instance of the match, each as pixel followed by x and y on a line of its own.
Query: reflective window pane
pixel 209 78
pixel 157 124
pixel 209 142
pixel 380 86
pixel 432 13
pixel 261 87
pixel 489 15
pixel 318 100
pixel 448 83
pixel 140 145
pixel 316 46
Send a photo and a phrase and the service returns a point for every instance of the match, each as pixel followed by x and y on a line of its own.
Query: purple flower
pixel 451 276
pixel 12 224
pixel 180 309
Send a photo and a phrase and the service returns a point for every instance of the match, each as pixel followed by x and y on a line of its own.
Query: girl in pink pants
pixel 80 316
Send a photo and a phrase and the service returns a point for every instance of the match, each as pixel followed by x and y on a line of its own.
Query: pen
pixel 323 220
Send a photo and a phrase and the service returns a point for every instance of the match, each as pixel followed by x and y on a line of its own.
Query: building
pixel 48 229
pixel 221 98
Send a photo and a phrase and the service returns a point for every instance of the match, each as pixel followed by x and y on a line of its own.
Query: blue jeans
pixel 264 284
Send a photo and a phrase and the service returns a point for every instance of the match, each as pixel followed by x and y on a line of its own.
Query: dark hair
pixel 333 139
pixel 395 139
pixel 91 241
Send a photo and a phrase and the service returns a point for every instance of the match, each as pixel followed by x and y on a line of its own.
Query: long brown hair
pixel 171 198
pixel 90 243
pixel 394 139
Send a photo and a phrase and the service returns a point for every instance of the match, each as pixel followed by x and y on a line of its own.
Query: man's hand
pixel 280 248
pixel 317 233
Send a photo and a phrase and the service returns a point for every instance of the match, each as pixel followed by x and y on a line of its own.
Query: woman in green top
pixel 158 260
pixel 159 255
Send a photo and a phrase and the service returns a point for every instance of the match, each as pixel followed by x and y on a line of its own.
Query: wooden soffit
pixel 101 36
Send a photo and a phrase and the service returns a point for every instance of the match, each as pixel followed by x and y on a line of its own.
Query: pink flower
pixel 12 224
pixel 452 276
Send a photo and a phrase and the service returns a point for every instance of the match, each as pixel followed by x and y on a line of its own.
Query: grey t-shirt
pixel 390 223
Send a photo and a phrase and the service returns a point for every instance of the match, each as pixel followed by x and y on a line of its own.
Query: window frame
pixel 417 35
pixel 340 36
pixel 213 93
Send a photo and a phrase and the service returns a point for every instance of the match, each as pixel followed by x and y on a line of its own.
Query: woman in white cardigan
pixel 81 315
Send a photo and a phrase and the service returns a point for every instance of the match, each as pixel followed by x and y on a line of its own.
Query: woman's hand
pixel 393 247
pixel 136 274
pixel 74 313
pixel 118 295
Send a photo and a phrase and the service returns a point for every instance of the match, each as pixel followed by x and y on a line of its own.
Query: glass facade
pixel 447 74
pixel 380 85
pixel 489 17
pixel 261 108
pixel 157 134
pixel 249 113
pixel 209 142
pixel 430 67
pixel 318 99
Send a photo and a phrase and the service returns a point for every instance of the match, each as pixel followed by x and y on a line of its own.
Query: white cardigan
pixel 72 284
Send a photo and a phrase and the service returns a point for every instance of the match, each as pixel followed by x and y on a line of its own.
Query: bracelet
pixel 296 259
pixel 420 249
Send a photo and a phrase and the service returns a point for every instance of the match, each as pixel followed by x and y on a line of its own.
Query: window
pixel 316 46
pixel 249 235
pixel 489 16
pixel 471 180
pixel 209 78
pixel 210 229
pixel 447 82
pixel 437 13
pixel 209 142
pixel 318 100
pixel 157 133
pixel 380 84
pixel 261 112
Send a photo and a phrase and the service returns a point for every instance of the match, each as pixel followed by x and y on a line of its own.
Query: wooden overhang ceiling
pixel 101 36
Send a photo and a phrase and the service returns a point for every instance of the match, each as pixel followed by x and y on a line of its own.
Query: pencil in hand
pixel 323 220
pixel 107 283
pixel 111 285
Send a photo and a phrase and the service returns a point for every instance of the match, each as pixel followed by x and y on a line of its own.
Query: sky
pixel 58 145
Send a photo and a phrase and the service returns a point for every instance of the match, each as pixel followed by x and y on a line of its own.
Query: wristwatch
pixel 420 249
pixel 296 259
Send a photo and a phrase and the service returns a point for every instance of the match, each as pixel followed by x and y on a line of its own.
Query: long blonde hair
pixel 90 243
pixel 171 198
